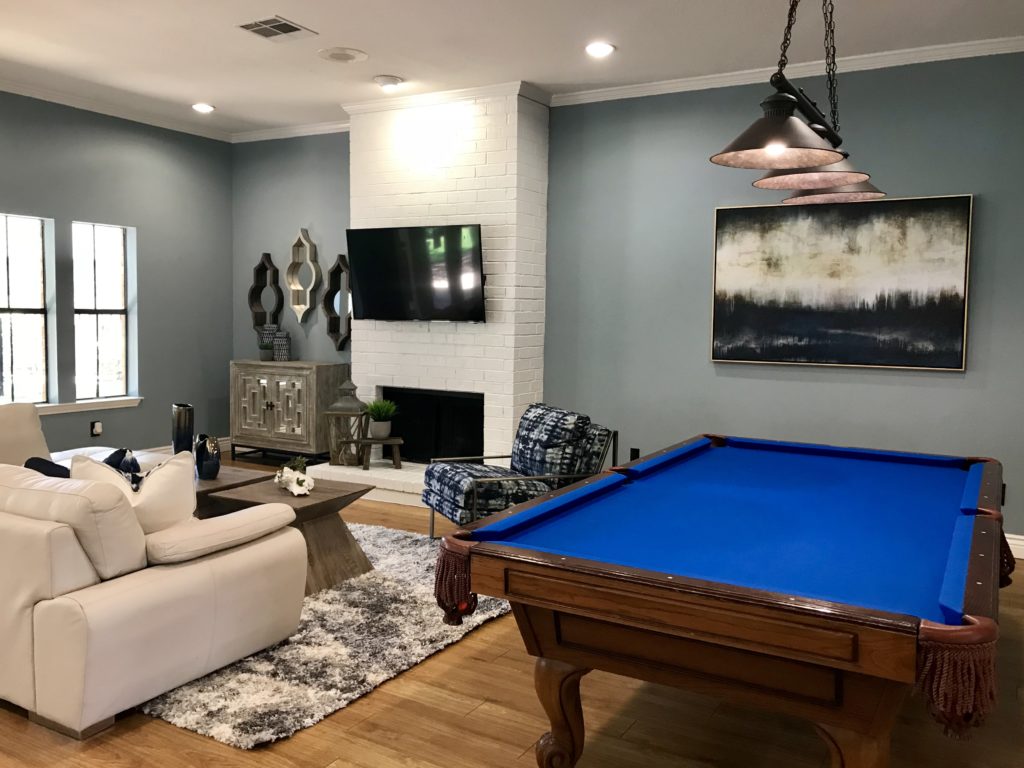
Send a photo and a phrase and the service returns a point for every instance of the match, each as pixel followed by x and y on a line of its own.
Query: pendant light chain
pixel 787 36
pixel 828 10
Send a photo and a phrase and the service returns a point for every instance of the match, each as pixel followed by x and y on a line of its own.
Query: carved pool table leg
pixel 850 749
pixel 558 688
pixel 866 746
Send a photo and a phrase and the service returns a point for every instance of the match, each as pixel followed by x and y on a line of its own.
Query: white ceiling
pixel 151 59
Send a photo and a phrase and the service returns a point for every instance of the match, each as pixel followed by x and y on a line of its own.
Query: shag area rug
pixel 351 638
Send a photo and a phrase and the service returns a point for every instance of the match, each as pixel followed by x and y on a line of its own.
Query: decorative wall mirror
pixel 337 303
pixel 303 276
pixel 266 299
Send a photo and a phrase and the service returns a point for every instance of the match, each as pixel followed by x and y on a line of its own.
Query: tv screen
pixel 417 273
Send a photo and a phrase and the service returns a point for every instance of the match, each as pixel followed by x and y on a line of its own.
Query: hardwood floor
pixel 473 705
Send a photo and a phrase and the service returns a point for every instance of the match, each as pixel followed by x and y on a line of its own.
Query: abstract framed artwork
pixel 873 284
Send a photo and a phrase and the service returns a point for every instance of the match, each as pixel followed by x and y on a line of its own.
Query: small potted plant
pixel 381 412
pixel 266 351
pixel 292 477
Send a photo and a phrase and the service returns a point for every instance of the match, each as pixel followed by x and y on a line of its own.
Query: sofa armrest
pixel 39 560
pixel 196 538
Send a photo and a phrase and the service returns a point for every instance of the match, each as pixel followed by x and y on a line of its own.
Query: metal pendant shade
pixel 778 141
pixel 850 193
pixel 835 175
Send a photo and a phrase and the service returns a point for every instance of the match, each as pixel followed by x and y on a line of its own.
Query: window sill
pixel 102 404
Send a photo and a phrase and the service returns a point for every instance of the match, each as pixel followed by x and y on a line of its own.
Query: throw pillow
pixel 167 495
pixel 47 467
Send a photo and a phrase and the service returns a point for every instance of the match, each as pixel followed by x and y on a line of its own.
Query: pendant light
pixel 799 155
pixel 850 193
pixel 834 175
pixel 778 140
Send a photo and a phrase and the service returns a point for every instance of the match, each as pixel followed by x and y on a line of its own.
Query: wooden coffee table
pixel 333 553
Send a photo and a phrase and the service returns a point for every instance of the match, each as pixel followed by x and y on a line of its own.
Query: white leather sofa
pixel 97 617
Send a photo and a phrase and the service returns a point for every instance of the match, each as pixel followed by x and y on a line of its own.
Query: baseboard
pixel 1016 541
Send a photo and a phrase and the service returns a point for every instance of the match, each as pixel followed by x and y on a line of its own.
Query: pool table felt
pixel 873 529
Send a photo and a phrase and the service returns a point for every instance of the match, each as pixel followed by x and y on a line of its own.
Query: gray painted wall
pixel 280 186
pixel 68 164
pixel 631 203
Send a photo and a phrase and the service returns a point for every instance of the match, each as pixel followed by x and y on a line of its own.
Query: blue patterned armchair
pixel 553 448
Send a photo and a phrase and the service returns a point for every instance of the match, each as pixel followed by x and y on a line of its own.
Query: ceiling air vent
pixel 278 29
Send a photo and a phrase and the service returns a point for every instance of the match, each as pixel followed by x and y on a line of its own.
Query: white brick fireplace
pixel 467 157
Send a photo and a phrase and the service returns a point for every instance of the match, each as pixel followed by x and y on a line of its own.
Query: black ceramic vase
pixel 182 427
pixel 207 454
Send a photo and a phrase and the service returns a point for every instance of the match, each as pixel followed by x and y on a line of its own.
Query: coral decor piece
pixel 292 477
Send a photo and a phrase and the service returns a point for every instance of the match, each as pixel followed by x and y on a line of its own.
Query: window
pixel 101 314
pixel 22 310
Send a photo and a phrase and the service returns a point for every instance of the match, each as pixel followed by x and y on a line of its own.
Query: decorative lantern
pixel 344 417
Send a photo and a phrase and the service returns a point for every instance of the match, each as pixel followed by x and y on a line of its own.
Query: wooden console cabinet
pixel 277 406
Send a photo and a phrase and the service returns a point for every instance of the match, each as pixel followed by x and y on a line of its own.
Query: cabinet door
pixel 291 415
pixel 252 403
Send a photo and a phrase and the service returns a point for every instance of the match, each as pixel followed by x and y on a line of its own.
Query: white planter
pixel 380 429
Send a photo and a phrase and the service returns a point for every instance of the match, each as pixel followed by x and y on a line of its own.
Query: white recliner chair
pixel 97 617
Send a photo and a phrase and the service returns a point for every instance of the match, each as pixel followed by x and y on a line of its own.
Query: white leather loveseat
pixel 97 616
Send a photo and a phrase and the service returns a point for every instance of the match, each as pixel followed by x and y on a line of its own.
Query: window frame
pixel 48 308
pixel 95 312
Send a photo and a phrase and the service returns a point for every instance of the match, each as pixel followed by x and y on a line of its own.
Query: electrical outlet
pixel 95 428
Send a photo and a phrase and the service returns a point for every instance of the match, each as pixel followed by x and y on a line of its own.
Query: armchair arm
pixel 476 482
pixel 450 459
pixel 195 538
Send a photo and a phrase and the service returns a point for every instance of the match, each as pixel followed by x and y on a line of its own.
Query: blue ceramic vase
pixel 207 453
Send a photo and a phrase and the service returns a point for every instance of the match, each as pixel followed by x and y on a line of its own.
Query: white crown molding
pixel 516 88
pixel 95 105
pixel 289 132
pixel 804 69
pixel 1016 542
pixel 534 93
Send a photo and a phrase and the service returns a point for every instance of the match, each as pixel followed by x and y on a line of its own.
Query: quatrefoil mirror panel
pixel 266 299
pixel 337 303
pixel 303 276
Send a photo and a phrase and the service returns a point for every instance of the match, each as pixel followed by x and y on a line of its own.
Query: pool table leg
pixel 868 745
pixel 558 688
pixel 850 749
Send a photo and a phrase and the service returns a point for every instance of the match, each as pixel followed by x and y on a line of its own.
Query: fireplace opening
pixel 437 424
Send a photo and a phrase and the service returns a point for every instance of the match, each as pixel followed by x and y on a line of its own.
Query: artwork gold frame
pixel 877 284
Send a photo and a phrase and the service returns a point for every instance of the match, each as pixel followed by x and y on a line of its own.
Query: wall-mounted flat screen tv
pixel 417 273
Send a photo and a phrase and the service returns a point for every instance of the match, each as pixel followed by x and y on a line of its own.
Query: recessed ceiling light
pixel 203 108
pixel 343 55
pixel 388 83
pixel 599 49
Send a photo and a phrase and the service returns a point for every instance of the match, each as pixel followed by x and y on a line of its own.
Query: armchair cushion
pixel 196 538
pixel 167 495
pixel 548 441
pixel 22 434
pixel 99 514
pixel 449 489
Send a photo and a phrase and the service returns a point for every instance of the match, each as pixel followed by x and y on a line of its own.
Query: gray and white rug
pixel 350 639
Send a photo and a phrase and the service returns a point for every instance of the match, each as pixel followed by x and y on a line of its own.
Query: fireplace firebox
pixel 437 424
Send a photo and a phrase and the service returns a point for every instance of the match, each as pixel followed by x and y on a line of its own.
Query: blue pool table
pixel 812 579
